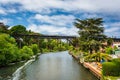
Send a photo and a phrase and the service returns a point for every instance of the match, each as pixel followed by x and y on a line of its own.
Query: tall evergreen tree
pixel 91 33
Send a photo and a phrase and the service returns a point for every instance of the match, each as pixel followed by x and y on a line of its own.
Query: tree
pixel 26 53
pixel 18 29
pixel 8 50
pixel 91 33
pixel 3 28
pixel 109 41
pixel 34 48
pixel 98 57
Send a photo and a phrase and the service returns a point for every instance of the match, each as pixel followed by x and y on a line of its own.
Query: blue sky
pixel 57 16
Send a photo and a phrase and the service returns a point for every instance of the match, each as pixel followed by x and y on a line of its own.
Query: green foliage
pixel 52 45
pixel 45 50
pixel 111 78
pixel 10 53
pixel 71 48
pixel 111 68
pixel 3 28
pixel 34 48
pixel 59 47
pixel 109 41
pixel 97 57
pixel 116 60
pixel 115 48
pixel 75 51
pixel 91 34
pixel 109 50
pixel 8 49
pixel 18 29
pixel 26 53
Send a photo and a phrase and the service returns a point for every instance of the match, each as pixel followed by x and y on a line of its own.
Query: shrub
pixel 34 48
pixel 8 49
pixel 109 50
pixel 117 62
pixel 26 53
pixel 110 69
pixel 45 50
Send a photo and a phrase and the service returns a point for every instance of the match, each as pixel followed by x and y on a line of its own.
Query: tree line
pixel 18 49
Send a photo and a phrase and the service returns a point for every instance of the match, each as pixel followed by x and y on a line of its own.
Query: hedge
pixel 111 68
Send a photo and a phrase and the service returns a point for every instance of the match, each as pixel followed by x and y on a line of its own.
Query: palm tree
pixel 91 33
pixel 98 57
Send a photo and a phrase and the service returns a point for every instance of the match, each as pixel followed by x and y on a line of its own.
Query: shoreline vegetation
pixel 17 49
pixel 94 49
pixel 97 67
pixel 12 54
pixel 87 65
pixel 101 69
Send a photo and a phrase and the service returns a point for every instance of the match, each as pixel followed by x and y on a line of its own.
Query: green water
pixel 6 72
pixel 54 66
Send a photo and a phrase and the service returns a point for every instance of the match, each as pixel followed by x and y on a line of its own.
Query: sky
pixel 56 17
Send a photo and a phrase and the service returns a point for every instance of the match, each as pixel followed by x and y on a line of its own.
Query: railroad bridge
pixel 69 39
pixel 46 36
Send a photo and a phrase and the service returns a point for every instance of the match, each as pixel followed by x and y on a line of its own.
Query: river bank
pixel 16 74
pixel 10 71
pixel 90 66
pixel 7 71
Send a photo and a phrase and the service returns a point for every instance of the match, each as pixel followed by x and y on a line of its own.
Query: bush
pixel 45 50
pixel 34 48
pixel 110 69
pixel 26 53
pixel 71 48
pixel 117 62
pixel 109 50
pixel 8 50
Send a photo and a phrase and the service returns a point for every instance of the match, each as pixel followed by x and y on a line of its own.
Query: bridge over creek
pixel 19 38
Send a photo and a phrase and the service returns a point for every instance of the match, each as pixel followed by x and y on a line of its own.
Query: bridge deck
pixel 47 36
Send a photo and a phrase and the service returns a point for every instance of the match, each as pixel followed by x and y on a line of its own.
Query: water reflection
pixel 55 66
pixel 58 66
pixel 6 72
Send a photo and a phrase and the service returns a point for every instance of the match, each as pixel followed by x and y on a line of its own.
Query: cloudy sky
pixel 57 16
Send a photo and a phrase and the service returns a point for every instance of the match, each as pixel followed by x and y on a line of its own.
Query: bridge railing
pixel 46 36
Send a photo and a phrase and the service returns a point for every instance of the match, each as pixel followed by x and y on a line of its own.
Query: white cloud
pixel 87 15
pixel 2 11
pixel 5 11
pixel 68 5
pixel 11 11
pixel 5 21
pixel 113 29
pixel 60 20
pixel 59 23
pixel 56 24
pixel 53 30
